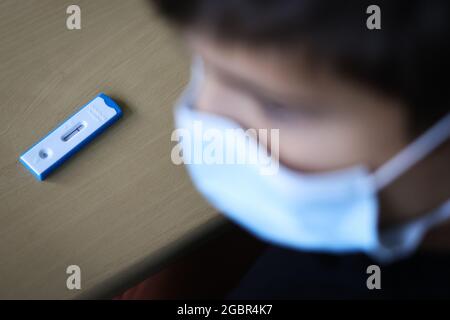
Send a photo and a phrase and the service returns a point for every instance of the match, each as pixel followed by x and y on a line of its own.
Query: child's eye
pixel 282 112
pixel 272 109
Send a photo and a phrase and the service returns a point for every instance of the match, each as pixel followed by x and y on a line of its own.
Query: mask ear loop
pixel 413 153
pixel 195 82
pixel 197 75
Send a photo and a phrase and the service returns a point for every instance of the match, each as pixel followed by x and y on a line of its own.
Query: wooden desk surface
pixel 119 208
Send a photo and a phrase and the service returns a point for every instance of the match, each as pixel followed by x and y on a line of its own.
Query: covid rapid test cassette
pixel 70 136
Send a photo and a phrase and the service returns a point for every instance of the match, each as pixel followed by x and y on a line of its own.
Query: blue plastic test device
pixel 70 136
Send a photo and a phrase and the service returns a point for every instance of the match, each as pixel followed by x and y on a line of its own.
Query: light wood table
pixel 119 209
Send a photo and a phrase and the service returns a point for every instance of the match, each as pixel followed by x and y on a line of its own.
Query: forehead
pixel 284 73
pixel 292 78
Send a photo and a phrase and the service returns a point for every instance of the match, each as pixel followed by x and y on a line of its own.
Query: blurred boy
pixel 363 120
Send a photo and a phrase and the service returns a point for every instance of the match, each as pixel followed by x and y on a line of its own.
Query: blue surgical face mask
pixel 334 212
